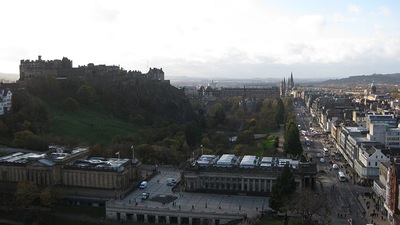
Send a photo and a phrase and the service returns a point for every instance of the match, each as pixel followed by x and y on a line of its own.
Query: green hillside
pixel 91 124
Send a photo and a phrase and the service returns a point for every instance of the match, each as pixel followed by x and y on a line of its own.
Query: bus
pixel 342 177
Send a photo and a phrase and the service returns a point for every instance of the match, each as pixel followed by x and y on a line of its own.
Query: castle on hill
pixel 62 69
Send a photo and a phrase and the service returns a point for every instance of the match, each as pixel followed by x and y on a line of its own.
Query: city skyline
pixel 227 39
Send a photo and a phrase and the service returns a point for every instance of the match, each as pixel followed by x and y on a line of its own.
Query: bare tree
pixel 310 205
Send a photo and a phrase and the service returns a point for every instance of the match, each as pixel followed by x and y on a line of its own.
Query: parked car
pixel 143 185
pixel 322 160
pixel 145 195
pixel 335 166
pixel 171 181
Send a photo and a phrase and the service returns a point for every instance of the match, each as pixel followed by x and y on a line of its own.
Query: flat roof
pixel 249 160
pixel 227 159
pixel 102 163
pixel 20 157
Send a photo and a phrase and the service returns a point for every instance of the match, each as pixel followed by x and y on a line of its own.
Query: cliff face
pixel 151 99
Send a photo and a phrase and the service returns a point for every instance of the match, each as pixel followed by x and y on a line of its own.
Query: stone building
pixel 266 92
pixel 5 101
pixel 62 69
pixel 232 174
pixel 70 169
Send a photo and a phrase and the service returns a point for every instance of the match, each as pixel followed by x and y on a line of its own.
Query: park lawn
pixel 91 124
pixel 265 146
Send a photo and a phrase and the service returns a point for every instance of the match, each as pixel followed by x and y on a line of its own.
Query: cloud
pixel 184 36
pixel 353 9
pixel 384 11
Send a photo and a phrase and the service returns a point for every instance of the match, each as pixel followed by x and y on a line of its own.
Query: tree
pixel 95 150
pixel 205 141
pixel 282 189
pixel 280 112
pixel 3 128
pixel 50 196
pixel 192 134
pixel 22 138
pixel 292 145
pixel 246 137
pixel 26 139
pixel 220 140
pixel 308 204
pixel 139 119
pixel 86 94
pixel 26 193
pixel 220 116
pixel 146 153
pixel 70 104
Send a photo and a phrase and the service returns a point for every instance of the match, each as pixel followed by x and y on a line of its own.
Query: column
pixel 134 217
pixel 190 221
pixel 156 218
pixel 123 216
pixel 179 220
pixel 265 185
pixel 254 185
pixel 167 219
pixel 146 219
pixel 213 222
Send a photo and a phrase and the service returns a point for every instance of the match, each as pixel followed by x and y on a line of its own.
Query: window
pixel 376 163
pixel 369 163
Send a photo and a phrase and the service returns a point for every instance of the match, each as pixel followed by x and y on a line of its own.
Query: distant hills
pixel 367 79
pixel 177 81
pixel 8 77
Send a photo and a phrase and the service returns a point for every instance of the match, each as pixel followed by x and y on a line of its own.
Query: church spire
pixel 291 80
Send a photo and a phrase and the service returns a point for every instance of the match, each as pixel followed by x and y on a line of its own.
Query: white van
pixel 326 152
pixel 171 181
pixel 143 185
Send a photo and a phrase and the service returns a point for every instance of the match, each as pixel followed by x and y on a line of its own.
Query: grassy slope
pixel 88 124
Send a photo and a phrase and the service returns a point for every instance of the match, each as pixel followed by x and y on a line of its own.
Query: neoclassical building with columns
pixel 69 168
pixel 243 175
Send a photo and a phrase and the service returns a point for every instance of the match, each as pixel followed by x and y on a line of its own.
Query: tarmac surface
pixel 163 196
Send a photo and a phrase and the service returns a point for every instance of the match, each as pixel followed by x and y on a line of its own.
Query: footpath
pixel 371 213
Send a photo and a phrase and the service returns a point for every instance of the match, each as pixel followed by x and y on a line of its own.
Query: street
pixel 347 201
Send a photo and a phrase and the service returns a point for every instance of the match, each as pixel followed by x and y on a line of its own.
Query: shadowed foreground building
pixel 72 170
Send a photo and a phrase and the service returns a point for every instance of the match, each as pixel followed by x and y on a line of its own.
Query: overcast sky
pixel 207 38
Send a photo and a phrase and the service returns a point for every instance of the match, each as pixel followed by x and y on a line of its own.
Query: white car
pixel 335 166
pixel 143 185
pixel 322 160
